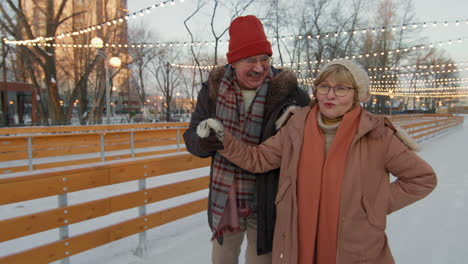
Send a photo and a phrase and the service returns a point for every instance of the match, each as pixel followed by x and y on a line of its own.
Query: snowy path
pixel 431 231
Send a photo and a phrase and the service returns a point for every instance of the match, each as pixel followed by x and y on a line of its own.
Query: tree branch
pixel 60 11
pixel 9 30
pixel 68 17
pixel 7 17
pixel 191 36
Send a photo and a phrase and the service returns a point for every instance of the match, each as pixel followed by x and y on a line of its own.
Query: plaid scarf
pixel 247 127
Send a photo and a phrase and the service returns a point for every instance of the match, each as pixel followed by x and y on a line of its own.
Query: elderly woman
pixel 334 189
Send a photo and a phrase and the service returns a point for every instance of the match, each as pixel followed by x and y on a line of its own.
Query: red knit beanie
pixel 247 39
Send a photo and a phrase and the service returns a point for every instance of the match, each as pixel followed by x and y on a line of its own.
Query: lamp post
pixel 116 102
pixel 114 62
pixel 5 84
pixel 390 92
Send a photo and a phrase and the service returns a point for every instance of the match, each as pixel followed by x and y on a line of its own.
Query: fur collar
pixel 380 123
pixel 284 81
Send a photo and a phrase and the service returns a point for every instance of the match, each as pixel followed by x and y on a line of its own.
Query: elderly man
pixel 248 96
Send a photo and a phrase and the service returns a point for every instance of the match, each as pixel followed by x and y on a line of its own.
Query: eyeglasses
pixel 254 60
pixel 339 90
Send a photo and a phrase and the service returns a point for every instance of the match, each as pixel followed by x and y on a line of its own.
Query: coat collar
pixel 297 121
pixel 367 123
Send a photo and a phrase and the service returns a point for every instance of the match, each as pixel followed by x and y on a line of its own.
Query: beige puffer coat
pixel 367 194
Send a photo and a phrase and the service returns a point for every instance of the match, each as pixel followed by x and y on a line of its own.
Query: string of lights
pixel 440 80
pixel 418 73
pixel 388 90
pixel 415 66
pixel 184 66
pixel 408 67
pixel 142 12
pixel 390 28
pixel 431 92
pixel 425 95
pixel 120 45
pixel 115 21
pixel 361 56
pixel 310 80
pixel 382 53
pixel 378 88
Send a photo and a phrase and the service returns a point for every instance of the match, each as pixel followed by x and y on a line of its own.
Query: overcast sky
pixel 441 10
pixel 168 22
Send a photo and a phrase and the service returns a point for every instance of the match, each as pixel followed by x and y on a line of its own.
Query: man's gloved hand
pixel 211 143
pixel 211 133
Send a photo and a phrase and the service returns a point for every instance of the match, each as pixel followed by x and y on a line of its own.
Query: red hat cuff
pixel 252 49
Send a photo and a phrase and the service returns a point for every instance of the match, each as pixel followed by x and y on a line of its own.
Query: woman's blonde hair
pixel 340 75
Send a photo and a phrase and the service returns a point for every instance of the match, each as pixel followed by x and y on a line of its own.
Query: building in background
pixel 18 106
pixel 72 59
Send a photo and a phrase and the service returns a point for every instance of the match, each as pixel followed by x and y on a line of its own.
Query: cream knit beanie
pixel 359 74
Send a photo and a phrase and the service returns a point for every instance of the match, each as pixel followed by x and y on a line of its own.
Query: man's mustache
pixel 254 74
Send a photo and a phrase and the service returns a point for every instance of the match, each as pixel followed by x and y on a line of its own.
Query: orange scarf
pixel 319 185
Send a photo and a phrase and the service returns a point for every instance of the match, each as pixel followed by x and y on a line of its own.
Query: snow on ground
pixel 431 231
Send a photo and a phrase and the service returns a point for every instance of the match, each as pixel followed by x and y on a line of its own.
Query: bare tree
pixel 384 39
pixel 236 8
pixel 141 55
pixel 43 57
pixel 167 78
pixel 191 83
pixel 314 20
pixel 432 66
pixel 53 76
pixel 200 5
pixel 279 18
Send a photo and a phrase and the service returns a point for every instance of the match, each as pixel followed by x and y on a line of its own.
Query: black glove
pixel 211 143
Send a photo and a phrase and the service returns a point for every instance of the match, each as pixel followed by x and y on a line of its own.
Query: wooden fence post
pixel 101 137
pixel 30 154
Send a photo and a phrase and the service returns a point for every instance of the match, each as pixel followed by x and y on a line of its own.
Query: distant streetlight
pixel 115 62
pixel 97 42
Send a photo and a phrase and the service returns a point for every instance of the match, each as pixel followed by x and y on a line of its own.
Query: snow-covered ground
pixel 431 231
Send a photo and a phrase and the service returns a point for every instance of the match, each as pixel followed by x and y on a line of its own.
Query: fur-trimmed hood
pixel 283 83
pixel 377 125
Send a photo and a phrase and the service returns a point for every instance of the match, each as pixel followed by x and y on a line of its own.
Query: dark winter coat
pixel 282 93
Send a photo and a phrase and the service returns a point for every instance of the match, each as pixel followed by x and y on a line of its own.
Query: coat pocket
pixel 283 187
pixel 375 214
